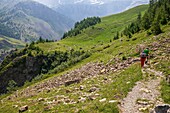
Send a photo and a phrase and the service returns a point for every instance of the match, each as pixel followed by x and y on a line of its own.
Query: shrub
pixel 12 86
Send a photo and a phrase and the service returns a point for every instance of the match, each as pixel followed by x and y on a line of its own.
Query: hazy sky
pixel 53 3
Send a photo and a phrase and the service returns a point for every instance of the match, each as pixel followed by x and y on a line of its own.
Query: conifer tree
pixel 156 28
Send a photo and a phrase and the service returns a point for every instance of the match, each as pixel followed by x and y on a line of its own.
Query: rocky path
pixel 144 96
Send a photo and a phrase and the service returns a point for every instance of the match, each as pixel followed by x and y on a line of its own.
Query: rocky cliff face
pixel 22 69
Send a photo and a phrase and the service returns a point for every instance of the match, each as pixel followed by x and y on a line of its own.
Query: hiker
pixel 147 54
pixel 142 58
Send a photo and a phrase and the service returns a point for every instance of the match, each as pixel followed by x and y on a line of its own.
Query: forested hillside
pixel 157 14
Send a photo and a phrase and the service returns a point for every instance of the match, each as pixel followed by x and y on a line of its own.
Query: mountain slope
pixel 79 9
pixel 86 87
pixel 28 20
pixel 62 54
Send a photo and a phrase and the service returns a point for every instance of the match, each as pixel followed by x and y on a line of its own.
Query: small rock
pixel 120 53
pixel 23 108
pixel 67 83
pixel 82 99
pixel 105 79
pixel 68 91
pixel 102 100
pixel 76 89
pixel 142 102
pixel 97 94
pixel 93 89
pixel 46 108
pixel 81 87
pixel 127 82
pixel 72 102
pixel 113 101
pixel 143 109
pixel 48 90
pixel 145 90
pixel 103 70
pixel 92 97
pixel 67 100
pixel 15 106
pixel 48 102
pixel 41 99
pixel 59 101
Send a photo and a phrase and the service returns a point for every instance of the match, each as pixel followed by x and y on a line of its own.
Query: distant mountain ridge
pixel 27 20
pixel 80 9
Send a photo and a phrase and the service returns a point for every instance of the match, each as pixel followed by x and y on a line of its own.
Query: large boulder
pixel 161 109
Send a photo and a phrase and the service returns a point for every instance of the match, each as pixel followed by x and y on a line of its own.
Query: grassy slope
pixel 100 34
pixel 13 42
pixel 96 38
pixel 117 88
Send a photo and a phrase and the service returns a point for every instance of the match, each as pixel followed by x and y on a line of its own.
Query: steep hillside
pixel 7 45
pixel 62 54
pixel 96 37
pixel 10 43
pixel 27 21
pixel 91 72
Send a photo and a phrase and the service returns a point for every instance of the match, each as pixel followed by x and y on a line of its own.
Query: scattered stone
pixel 81 99
pixel 72 102
pixel 81 87
pixel 103 70
pixel 67 83
pixel 41 99
pixel 105 79
pixel 76 89
pixel 142 102
pixel 93 89
pixel 23 108
pixel 9 98
pixel 102 100
pixel 127 82
pixel 48 91
pixel 46 108
pixel 113 101
pixel 15 106
pixel 120 53
pixel 143 109
pixel 91 97
pixel 97 94
pixel 145 90
pixel 59 101
pixel 67 100
pixel 48 102
pixel 68 91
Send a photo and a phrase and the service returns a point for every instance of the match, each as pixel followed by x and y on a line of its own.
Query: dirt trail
pixel 144 95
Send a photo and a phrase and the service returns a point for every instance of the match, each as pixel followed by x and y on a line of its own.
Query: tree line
pixel 85 23
pixel 157 14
